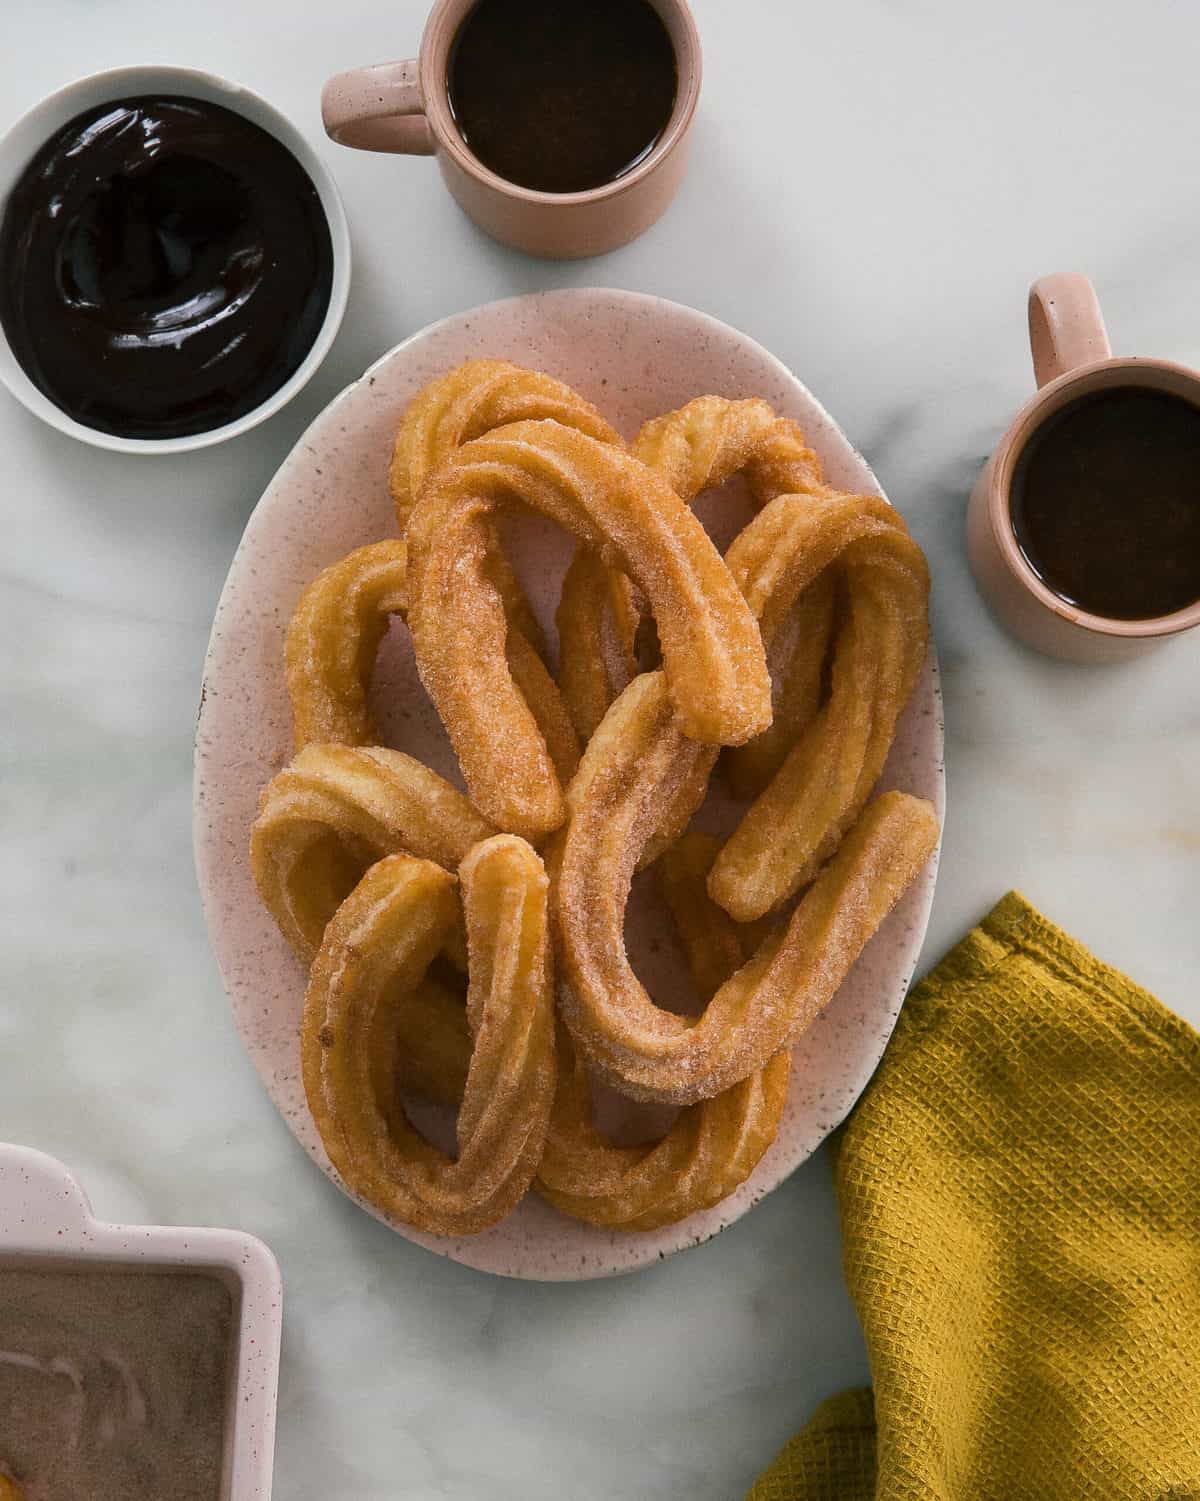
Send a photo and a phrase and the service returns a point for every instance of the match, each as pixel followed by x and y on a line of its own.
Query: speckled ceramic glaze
pixel 635 356
pixel 45 1219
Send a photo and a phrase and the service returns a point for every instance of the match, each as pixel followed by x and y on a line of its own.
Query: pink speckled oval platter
pixel 634 356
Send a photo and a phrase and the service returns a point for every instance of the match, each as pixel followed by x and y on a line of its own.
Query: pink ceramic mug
pixel 404 107
pixel 1071 358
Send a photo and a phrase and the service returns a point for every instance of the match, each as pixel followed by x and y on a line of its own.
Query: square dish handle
pixel 39 1199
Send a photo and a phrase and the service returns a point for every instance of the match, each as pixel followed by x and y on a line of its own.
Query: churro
pixel 696 448
pixel 634 764
pixel 467 402
pixel 821 786
pixel 336 631
pixel 712 653
pixel 374 953
pixel 325 818
pixel 798 656
pixel 711 1147
pixel 707 1152
pixel 713 943
pixel 332 641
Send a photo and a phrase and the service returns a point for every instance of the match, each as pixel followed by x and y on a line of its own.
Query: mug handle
pixel 1066 326
pixel 378 109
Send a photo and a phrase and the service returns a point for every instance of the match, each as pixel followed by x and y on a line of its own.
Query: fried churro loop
pixel 709 1150
pixel 711 439
pixel 712 653
pixel 713 1146
pixel 334 810
pixel 435 1043
pixel 332 641
pixel 706 1153
pixel 335 634
pixel 374 954
pixel 469 401
pixel 824 781
pixel 634 763
pixel 696 448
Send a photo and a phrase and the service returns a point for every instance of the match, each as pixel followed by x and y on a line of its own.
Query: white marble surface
pixel 874 185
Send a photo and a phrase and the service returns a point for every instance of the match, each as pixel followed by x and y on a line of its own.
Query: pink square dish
pixel 46 1224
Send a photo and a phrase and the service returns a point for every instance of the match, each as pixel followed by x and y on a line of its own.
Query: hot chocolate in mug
pixel 1083 530
pixel 409 108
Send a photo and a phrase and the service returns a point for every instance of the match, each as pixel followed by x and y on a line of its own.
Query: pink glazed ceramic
pixel 1071 358
pixel 404 107
pixel 46 1222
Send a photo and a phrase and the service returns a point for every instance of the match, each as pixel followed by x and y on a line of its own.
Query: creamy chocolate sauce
pixel 114 1384
pixel 165 266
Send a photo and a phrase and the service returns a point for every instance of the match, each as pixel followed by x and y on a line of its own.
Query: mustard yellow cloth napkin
pixel 1019 1191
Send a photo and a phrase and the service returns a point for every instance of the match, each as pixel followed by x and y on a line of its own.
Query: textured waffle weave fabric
pixel 1019 1191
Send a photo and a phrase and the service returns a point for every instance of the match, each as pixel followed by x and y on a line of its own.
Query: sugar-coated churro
pixel 879 646
pixel 633 765
pixel 374 954
pixel 695 448
pixel 712 652
pixel 467 402
pixel 325 818
pixel 336 631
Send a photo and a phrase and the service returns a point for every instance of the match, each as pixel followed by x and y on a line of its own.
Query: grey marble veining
pixel 873 187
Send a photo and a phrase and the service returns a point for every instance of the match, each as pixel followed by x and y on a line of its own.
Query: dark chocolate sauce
pixel 1105 503
pixel 562 95
pixel 165 266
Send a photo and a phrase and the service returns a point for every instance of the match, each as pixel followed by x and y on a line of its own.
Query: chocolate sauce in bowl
pixel 165 267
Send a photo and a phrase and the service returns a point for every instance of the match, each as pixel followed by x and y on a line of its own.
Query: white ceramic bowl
pixel 31 132
pixel 46 1220
pixel 634 356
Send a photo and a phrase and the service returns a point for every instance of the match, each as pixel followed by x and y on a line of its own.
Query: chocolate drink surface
pixel 165 267
pixel 114 1383
pixel 562 95
pixel 1105 503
